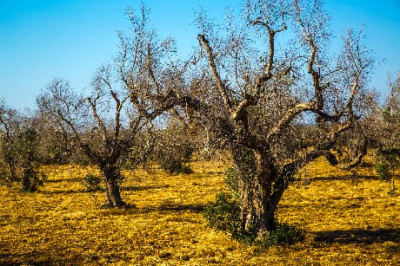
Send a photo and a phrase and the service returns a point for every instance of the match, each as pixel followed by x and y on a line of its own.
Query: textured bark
pixel 257 193
pixel 26 182
pixel 113 196
pixel 29 181
pixel 257 206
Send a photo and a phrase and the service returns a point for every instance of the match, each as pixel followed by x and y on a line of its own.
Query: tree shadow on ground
pixel 197 208
pixel 68 191
pixel 140 188
pixel 358 236
pixel 74 191
pixel 45 257
pixel 74 179
pixel 339 178
pixel 163 209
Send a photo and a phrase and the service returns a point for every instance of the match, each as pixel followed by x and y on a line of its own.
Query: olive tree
pixel 386 124
pixel 19 148
pixel 9 130
pixel 55 145
pixel 124 98
pixel 266 83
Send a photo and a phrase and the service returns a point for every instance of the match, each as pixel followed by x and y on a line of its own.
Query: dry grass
pixel 348 220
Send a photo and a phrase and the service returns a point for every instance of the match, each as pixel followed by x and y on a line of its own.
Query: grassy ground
pixel 349 220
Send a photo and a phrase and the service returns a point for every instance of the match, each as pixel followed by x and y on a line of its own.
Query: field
pixel 348 219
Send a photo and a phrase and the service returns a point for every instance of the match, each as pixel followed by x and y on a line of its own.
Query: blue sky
pixel 70 39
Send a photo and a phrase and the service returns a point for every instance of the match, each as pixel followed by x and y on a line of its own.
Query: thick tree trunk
pixel 28 182
pixel 258 200
pixel 257 207
pixel 113 196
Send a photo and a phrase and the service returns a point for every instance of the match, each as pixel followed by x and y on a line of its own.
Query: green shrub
pixel 172 164
pixel 224 215
pixel 171 152
pixel 92 182
pixel 283 235
pixel 231 180
pixel 382 169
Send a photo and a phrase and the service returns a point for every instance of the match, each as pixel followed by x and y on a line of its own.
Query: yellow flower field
pixel 349 220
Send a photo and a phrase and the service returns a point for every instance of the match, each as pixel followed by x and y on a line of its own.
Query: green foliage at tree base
pixel 231 180
pixel 92 183
pixel 224 215
pixel 382 169
pixel 283 235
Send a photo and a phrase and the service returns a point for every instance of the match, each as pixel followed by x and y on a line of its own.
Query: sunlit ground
pixel 349 220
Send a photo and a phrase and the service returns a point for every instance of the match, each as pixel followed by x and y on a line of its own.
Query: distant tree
pixel 172 147
pixel 9 131
pixel 20 148
pixel 30 160
pixel 261 84
pixel 387 124
pixel 125 98
pixel 55 145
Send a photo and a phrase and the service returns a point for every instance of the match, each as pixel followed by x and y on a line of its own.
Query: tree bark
pixel 256 196
pixel 13 173
pixel 112 177
pixel 28 182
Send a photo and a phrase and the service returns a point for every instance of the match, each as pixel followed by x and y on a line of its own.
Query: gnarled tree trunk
pixel 259 191
pixel 112 176
pixel 26 182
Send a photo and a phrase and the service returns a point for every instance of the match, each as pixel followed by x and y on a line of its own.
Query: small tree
pixel 30 160
pixel 125 97
pixel 388 123
pixel 55 145
pixel 172 147
pixel 9 132
pixel 20 149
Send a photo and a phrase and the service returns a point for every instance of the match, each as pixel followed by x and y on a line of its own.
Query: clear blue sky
pixel 43 39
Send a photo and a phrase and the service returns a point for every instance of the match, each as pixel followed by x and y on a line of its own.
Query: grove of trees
pixel 266 86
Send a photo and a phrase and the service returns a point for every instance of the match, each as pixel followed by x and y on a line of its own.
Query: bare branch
pixel 150 69
pixel 211 59
pixel 289 116
pixel 100 123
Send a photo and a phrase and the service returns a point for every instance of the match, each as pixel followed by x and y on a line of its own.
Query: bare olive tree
pixel 124 99
pixel 266 84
